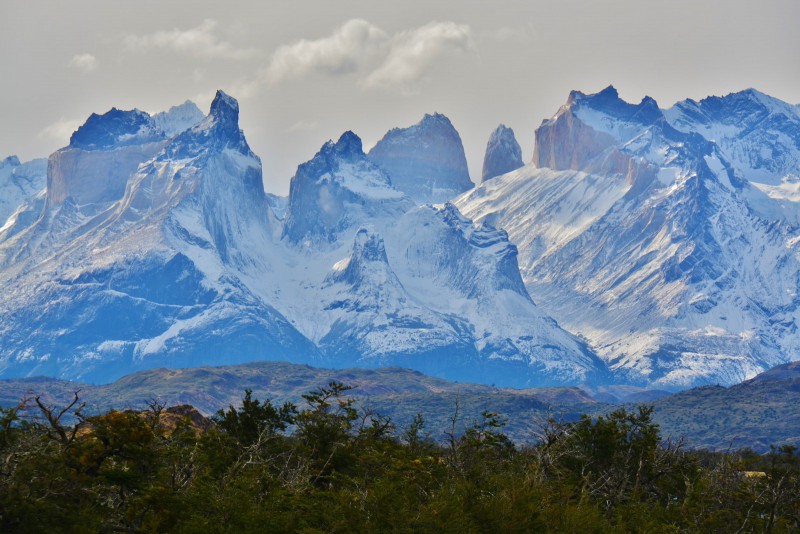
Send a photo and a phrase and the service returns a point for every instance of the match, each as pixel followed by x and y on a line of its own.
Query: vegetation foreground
pixel 331 466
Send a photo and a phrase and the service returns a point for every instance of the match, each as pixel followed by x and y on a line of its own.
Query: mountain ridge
pixel 191 208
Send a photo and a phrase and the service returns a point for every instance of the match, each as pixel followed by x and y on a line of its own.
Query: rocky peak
pixel 113 129
pixel 759 133
pixel 503 153
pixel 178 118
pixel 218 131
pixel 609 103
pixel 223 119
pixel 368 248
pixel 338 188
pixel 426 161
pixel 10 161
pixel 103 153
pixel 224 107
pixel 348 147
pixel 587 132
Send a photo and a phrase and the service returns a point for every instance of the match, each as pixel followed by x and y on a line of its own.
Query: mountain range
pixel 640 246
pixel 757 413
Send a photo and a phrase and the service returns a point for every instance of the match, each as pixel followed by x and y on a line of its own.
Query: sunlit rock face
pixel 669 253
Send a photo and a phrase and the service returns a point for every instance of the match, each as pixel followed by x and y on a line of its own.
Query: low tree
pixel 254 418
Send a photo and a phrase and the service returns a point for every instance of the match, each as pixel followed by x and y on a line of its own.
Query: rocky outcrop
pixel 178 118
pixel 503 153
pixel 425 161
pixel 19 183
pixel 337 189
pixel 93 176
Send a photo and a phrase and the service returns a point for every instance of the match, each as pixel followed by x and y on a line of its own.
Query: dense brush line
pixel 333 466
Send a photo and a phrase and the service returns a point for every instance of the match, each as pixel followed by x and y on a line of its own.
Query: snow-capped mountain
pixel 136 271
pixel 668 240
pixel 420 287
pixel 20 183
pixel 337 189
pixel 425 161
pixel 153 248
pixel 178 118
pixel 759 134
pixel 503 153
pixel 651 243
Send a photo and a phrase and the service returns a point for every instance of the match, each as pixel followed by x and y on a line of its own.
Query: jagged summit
pixel 337 189
pixel 115 128
pixel 178 118
pixel 10 161
pixel 367 265
pixel 503 153
pixel 435 120
pixel 609 94
pixel 217 131
pixel 426 161
pixel 760 134
pixel 609 103
pixel 639 230
pixel 348 146
pixel 224 105
pixel 368 246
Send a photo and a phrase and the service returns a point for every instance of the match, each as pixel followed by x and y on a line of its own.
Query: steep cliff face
pixel 151 249
pixel 503 153
pixel 425 161
pixel 95 177
pixel 418 287
pixel 338 189
pixel 589 132
pixel 178 118
pixel 151 278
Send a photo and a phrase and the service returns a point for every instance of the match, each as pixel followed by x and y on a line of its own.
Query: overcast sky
pixel 304 71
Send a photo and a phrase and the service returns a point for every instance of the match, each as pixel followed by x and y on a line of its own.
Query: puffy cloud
pixel 347 50
pixel 413 52
pixel 379 60
pixel 60 130
pixel 84 62
pixel 201 41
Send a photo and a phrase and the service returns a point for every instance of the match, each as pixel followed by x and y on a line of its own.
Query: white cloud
pixel 379 60
pixel 201 41
pixel 413 52
pixel 84 62
pixel 347 50
pixel 60 130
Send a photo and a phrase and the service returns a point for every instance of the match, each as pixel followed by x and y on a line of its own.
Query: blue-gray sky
pixel 305 71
